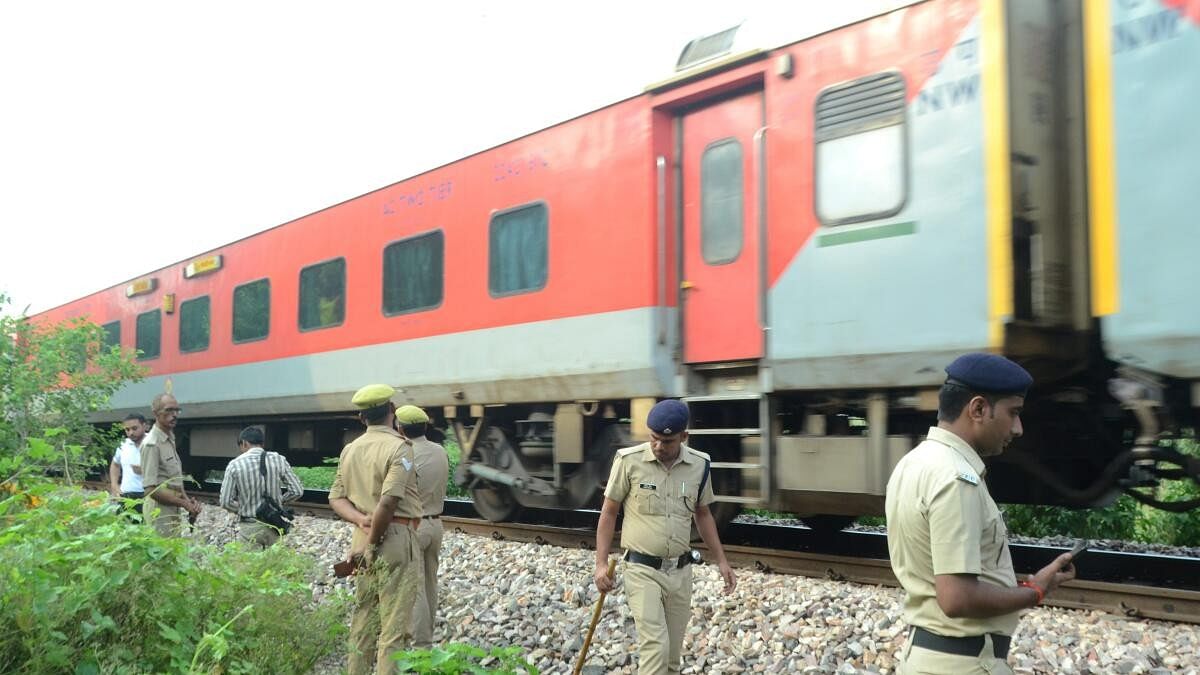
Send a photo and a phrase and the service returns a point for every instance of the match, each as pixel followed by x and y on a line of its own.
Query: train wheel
pixel 496 503
pixel 827 524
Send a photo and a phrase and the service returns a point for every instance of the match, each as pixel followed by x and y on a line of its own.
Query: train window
pixel 252 311
pixel 112 334
pixel 861 164
pixel 518 249
pixel 149 334
pixel 413 273
pixel 721 209
pixel 194 318
pixel 323 294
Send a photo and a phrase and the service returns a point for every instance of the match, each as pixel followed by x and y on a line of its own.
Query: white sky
pixel 137 133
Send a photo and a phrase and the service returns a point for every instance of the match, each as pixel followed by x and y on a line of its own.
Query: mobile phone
pixel 1080 547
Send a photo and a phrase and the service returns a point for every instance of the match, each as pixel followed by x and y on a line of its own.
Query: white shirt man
pixel 125 470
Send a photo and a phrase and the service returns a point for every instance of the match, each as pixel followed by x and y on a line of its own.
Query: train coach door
pixel 720 287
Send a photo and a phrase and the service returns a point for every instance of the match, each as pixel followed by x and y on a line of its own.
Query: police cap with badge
pixel 988 374
pixel 668 417
pixel 373 399
pixel 411 414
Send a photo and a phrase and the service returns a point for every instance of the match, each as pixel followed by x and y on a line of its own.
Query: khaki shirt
pixel 941 520
pixel 433 470
pixel 160 461
pixel 659 502
pixel 378 463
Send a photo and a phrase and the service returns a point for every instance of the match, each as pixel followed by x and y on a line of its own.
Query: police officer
pixel 375 489
pixel 663 485
pixel 433 469
pixel 946 538
pixel 162 472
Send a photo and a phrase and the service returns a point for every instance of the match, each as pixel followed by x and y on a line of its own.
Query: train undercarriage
pixel 823 455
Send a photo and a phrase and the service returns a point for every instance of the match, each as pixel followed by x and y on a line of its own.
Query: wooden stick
pixel 612 568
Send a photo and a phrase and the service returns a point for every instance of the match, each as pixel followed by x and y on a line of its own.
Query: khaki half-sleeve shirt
pixel 433 470
pixel 160 461
pixel 659 502
pixel 380 462
pixel 942 520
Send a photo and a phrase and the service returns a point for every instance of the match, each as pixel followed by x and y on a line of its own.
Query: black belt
pixel 133 495
pixel 433 517
pixel 655 561
pixel 961 646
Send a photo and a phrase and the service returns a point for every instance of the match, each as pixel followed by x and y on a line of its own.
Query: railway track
pixel 1127 584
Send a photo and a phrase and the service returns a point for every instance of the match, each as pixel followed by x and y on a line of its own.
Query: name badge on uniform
pixel 407 464
pixel 968 478
pixel 648 486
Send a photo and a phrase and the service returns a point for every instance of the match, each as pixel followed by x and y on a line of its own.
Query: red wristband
pixel 1041 592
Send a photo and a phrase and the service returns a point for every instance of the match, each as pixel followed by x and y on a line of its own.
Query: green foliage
pixel 51 377
pixel 454 452
pixel 321 477
pixel 1112 522
pixel 87 590
pixel 455 657
pixel 1180 529
pixel 1125 519
pixel 315 477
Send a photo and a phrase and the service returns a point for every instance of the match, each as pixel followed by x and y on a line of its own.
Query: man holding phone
pixel 946 537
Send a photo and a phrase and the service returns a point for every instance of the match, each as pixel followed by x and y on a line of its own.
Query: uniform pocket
pixel 995 534
pixel 172 467
pixel 649 502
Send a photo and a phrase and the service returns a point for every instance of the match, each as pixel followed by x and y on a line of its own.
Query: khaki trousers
pixel 384 598
pixel 921 661
pixel 429 544
pixel 257 534
pixel 661 604
pixel 170 521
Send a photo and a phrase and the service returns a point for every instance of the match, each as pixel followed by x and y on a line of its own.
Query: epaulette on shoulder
pixel 965 473
pixel 625 452
pixel 701 455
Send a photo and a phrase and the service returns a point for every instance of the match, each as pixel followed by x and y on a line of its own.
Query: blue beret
pixel 668 417
pixel 988 373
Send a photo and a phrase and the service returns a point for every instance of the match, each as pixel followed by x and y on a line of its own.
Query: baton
pixel 587 642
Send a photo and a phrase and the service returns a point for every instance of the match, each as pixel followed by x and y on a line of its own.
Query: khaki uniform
pixel 161 466
pixel 381 463
pixel 433 470
pixel 659 506
pixel 942 520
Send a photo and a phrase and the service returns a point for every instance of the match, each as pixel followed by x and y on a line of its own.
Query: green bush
pixel 455 658
pixel 1112 522
pixel 86 590
pixel 321 477
pixel 315 477
pixel 1125 519
pixel 455 454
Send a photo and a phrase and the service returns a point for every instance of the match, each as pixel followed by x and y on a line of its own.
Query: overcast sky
pixel 134 134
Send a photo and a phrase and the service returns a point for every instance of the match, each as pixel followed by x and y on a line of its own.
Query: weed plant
pixel 455 658
pixel 87 590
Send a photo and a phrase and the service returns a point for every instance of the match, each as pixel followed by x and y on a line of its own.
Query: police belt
pixel 657 562
pixel 962 646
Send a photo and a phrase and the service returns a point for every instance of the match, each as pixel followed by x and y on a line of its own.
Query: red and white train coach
pixel 794 238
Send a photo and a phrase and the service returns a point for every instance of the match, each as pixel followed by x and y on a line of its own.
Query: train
pixel 794 238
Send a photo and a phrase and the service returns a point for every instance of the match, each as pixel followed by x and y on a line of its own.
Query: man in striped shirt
pixel 243 487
